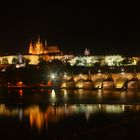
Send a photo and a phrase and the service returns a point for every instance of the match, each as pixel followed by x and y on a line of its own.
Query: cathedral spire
pixel 38 40
pixel 30 48
pixel 46 43
pixel 87 52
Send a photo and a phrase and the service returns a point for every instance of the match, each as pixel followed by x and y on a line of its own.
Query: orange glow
pixel 53 114
pixel 50 83
pixel 21 92
pixel 19 84
pixel 49 91
pixel 37 119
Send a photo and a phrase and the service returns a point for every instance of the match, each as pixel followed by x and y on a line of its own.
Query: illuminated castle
pixel 40 48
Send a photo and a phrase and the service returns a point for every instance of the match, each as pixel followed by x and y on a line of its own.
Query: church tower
pixel 87 52
pixel 31 48
pixel 38 48
pixel 46 43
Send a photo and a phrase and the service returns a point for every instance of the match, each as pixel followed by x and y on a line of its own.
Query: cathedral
pixel 38 48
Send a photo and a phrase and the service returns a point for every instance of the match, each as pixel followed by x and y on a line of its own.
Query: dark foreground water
pixel 69 115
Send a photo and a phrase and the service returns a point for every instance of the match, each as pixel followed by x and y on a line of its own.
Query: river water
pixel 69 114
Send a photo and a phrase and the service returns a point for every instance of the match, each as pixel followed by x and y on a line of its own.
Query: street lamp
pixel 122 71
pixel 53 76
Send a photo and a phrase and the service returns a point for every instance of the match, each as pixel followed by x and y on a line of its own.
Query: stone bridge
pixel 118 79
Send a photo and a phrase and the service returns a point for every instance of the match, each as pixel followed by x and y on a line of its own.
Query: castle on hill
pixel 39 50
pixel 42 48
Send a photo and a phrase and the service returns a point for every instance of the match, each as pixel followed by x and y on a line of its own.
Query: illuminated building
pixel 36 50
pixel 40 48
pixel 87 52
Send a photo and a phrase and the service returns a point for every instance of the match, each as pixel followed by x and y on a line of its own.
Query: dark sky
pixel 105 27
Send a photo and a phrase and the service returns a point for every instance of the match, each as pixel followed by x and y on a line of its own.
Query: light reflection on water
pixel 76 96
pixel 54 113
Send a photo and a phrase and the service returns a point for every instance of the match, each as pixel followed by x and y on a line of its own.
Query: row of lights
pixel 54 75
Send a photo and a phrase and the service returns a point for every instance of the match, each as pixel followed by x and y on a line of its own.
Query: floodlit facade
pixel 36 51
pixel 41 50
pixel 110 60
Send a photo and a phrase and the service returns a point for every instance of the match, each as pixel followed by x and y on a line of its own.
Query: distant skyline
pixel 103 27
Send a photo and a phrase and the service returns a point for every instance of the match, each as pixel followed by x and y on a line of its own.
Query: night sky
pixel 105 27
